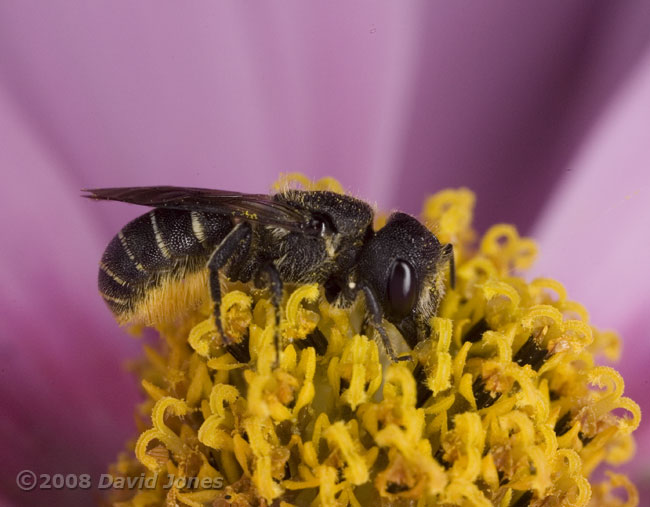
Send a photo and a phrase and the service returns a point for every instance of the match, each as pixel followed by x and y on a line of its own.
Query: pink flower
pixel 542 109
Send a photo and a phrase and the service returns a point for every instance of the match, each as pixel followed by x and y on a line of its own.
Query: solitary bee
pixel 294 236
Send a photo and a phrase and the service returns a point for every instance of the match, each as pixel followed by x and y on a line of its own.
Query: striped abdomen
pixel 155 266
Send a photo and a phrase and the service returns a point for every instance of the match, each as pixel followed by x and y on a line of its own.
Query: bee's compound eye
pixel 402 288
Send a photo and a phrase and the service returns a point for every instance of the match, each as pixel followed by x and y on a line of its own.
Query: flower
pixel 529 105
pixel 500 405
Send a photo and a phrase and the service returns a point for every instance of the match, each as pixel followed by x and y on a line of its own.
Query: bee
pixel 163 260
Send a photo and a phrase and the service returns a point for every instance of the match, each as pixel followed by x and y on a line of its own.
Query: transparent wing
pixel 251 207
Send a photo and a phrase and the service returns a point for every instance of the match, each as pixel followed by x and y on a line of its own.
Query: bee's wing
pixel 253 207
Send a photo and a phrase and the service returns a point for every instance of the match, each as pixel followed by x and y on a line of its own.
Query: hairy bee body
pixel 156 266
pixel 163 250
pixel 171 259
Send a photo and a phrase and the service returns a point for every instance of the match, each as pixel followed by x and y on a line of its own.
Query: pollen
pixel 504 403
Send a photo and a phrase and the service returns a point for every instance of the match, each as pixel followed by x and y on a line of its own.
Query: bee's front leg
pixel 269 272
pixel 234 247
pixel 376 314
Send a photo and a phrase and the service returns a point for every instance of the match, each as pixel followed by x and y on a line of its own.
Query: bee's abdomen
pixel 153 249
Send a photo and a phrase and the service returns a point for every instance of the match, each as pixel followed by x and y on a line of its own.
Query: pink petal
pixel 65 398
pixel 594 236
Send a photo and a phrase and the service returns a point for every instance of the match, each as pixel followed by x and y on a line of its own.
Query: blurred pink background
pixel 543 109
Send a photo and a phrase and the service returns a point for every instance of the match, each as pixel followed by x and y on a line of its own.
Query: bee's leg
pixel 234 247
pixel 269 271
pixel 449 253
pixel 411 331
pixel 423 393
pixel 376 314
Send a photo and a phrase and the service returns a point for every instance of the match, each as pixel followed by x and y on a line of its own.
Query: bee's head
pixel 402 264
